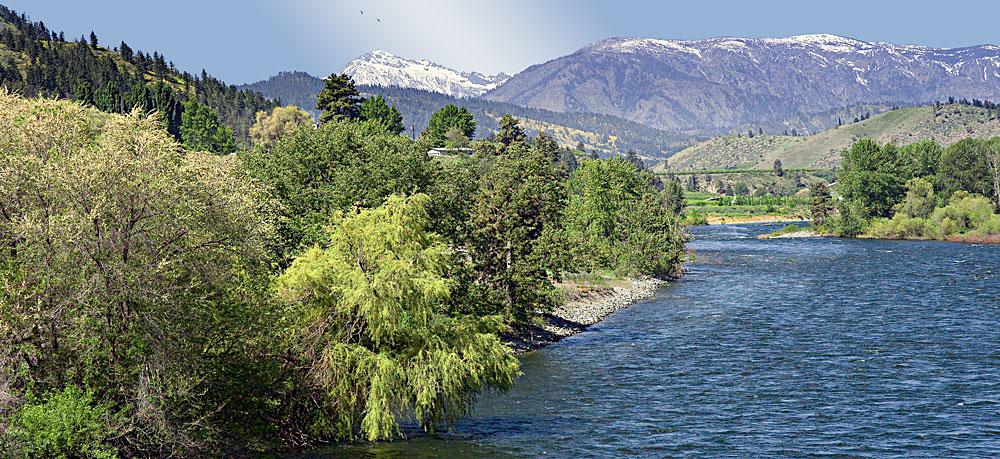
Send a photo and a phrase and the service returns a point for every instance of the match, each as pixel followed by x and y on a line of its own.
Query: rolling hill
pixel 945 124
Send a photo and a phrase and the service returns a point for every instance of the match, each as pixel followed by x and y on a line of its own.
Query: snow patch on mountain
pixel 381 68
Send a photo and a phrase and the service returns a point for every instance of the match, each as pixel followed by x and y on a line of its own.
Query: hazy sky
pixel 249 40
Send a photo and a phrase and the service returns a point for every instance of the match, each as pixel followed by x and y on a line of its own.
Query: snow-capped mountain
pixel 381 68
pixel 726 82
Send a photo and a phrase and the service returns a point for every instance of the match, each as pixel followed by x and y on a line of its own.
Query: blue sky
pixel 249 40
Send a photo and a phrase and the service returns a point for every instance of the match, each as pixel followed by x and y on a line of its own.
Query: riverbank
pixel 585 306
pixel 744 219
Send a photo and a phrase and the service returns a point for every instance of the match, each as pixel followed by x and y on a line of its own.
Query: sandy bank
pixel 738 220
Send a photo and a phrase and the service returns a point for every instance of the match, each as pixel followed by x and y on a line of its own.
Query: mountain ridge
pixel 724 82
pixel 382 68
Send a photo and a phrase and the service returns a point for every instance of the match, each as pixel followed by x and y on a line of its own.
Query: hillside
pixel 293 88
pixel 606 134
pixel 945 124
pixel 36 60
pixel 722 83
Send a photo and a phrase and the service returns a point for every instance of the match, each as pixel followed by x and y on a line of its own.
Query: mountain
pixel 722 83
pixel 381 68
pixel 293 88
pixel 945 124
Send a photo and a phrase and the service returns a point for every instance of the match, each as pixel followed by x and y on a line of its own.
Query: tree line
pixel 327 284
pixel 116 81
pixel 920 190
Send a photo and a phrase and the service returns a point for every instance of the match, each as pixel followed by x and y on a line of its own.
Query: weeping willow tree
pixel 363 320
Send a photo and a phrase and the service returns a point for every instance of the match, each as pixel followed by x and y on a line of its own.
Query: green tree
pixel 510 131
pixel 516 244
pixel 313 173
pixel 338 100
pixel 450 116
pixel 376 109
pixel 365 324
pixel 617 220
pixel 741 189
pixel 822 203
pixel 278 123
pixel 778 171
pixel 547 146
pixel 128 265
pixel 920 159
pixel 963 167
pixel 201 131
pixel 93 40
pixel 870 175
pixel 919 201
pixel 673 195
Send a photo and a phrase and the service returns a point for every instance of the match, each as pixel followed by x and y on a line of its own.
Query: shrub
pixel 65 424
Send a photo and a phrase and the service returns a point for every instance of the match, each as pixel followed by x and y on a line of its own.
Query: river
pixel 817 347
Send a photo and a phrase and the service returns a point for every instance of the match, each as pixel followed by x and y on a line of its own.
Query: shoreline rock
pixel 586 309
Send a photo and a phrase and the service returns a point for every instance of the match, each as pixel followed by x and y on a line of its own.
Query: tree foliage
pixel 364 322
pixel 375 109
pixel 451 117
pixel 313 173
pixel 278 123
pixel 870 175
pixel 617 220
pixel 126 265
pixel 515 243
pixel 201 130
pixel 338 100
pixel 822 203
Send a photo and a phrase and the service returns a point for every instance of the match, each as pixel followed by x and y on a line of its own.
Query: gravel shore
pixel 582 310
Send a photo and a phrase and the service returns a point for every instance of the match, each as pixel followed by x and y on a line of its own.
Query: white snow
pixel 382 68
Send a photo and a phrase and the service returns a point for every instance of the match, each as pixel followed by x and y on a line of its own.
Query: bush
pixel 66 424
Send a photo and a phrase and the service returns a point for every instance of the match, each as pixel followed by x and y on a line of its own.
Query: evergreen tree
pixel 201 131
pixel 822 203
pixel 377 110
pixel 338 100
pixel 594 155
pixel 510 131
pixel 778 171
pixel 93 39
pixel 547 146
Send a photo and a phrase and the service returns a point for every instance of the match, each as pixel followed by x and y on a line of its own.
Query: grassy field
pixel 945 124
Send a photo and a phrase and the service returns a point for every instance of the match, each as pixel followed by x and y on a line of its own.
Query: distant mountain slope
pixel 722 83
pixel 381 68
pixel 293 88
pixel 945 124
pixel 606 134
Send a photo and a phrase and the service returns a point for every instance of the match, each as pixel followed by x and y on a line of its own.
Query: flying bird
pixel 377 19
pixel 362 12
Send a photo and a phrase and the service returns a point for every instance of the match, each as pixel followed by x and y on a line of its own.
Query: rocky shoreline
pixel 583 309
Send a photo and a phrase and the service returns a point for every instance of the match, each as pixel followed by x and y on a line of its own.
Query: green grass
pixel 787 230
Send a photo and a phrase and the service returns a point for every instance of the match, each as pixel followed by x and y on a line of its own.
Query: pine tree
pixel 93 39
pixel 510 131
pixel 339 99
pixel 377 110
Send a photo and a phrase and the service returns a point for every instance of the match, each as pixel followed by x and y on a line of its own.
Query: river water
pixel 816 347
